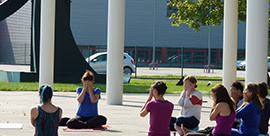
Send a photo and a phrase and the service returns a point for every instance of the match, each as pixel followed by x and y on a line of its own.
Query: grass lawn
pixel 135 86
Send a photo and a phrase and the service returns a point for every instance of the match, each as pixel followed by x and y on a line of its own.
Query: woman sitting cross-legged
pixel 87 114
pixel 191 102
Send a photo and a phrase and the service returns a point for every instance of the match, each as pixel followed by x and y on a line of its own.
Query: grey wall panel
pixel 19 27
pixel 89 26
pixel 89 22
pixel 6 52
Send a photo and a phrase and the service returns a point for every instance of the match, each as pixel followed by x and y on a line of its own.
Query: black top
pixel 265 117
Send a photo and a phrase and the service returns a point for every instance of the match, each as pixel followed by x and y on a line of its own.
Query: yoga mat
pixel 11 126
pixel 86 129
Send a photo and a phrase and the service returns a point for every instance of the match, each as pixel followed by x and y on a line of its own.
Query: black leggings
pixel 188 122
pixel 84 122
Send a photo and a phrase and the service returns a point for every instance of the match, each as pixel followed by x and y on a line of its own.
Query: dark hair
pixel 160 86
pixel 238 85
pixel 263 92
pixel 88 75
pixel 192 79
pixel 45 93
pixel 254 89
pixel 221 94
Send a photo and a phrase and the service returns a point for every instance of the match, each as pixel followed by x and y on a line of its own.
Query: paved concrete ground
pixel 123 119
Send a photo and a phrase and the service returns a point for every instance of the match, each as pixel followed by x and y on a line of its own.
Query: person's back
pixel 160 115
pixel 46 124
pixel 160 110
pixel 223 110
pixel 224 124
pixel 45 118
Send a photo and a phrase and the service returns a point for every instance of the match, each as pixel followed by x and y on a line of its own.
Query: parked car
pixel 238 62
pixel 242 65
pixel 98 62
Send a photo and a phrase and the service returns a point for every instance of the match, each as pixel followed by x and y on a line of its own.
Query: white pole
pixel 230 42
pixel 47 25
pixel 115 41
pixel 256 41
pixel 154 36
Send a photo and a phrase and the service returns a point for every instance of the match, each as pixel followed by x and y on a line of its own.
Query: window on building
pixel 198 56
pixel 172 56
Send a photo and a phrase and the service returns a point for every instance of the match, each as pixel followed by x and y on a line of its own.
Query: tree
pixel 197 13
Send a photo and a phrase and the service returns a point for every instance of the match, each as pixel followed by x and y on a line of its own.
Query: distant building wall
pixel 89 26
pixel 16 37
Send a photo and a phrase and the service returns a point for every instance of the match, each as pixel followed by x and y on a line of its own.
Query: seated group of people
pixel 47 117
pixel 245 113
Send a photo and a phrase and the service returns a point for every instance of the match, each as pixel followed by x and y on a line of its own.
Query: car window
pixel 125 57
pixel 101 57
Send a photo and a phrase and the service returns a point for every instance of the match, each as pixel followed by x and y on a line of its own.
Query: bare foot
pixel 178 129
pixel 184 130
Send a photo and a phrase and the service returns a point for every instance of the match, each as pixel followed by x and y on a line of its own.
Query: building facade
pixel 147 25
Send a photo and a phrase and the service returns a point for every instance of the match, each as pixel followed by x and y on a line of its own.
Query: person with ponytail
pixel 160 110
pixel 249 112
pixel 45 118
pixel 87 115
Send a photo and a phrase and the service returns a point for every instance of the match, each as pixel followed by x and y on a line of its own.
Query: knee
pixel 103 119
pixel 63 121
pixel 70 123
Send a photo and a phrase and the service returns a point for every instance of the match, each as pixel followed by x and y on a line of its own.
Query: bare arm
pixel 144 112
pixel 34 114
pixel 215 112
pixel 81 95
pixel 94 97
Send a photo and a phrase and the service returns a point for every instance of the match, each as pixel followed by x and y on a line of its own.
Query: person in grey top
pixel 237 93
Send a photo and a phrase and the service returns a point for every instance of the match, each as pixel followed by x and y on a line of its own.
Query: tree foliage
pixel 197 13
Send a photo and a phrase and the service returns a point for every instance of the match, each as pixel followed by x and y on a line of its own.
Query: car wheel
pixel 127 70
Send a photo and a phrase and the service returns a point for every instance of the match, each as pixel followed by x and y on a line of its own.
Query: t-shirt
pixel 265 117
pixel 191 106
pixel 87 108
pixel 160 116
